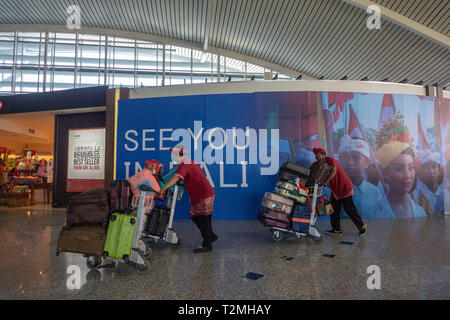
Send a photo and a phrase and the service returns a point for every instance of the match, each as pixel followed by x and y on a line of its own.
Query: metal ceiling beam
pixel 405 22
pixel 212 5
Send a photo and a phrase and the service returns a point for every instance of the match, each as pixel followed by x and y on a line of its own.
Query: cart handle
pixel 144 187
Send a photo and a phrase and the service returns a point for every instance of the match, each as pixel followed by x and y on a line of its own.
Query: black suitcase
pixel 157 222
pixel 295 169
pixel 289 176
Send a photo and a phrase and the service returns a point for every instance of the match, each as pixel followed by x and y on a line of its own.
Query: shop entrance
pixel 26 159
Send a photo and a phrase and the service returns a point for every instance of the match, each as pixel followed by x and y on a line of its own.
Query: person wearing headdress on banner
pixel 399 164
pixel 429 192
pixel 354 157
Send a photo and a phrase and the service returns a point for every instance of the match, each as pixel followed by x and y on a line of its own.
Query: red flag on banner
pixel 387 110
pixel 338 99
pixel 354 130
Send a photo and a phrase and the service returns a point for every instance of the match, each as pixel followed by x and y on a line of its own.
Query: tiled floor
pixel 413 256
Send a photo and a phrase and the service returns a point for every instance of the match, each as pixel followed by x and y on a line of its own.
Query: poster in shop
pixel 395 148
pixel 86 159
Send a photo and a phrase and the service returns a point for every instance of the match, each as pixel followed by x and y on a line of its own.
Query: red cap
pixel 320 149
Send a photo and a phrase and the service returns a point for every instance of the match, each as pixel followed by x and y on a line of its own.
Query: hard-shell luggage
pixel 119 237
pixel 290 176
pixel 88 239
pixel 158 221
pixel 294 168
pixel 91 207
pixel 301 218
pixel 120 195
pixel 144 177
pixel 290 190
pixel 274 219
pixel 319 173
pixel 155 167
pixel 277 203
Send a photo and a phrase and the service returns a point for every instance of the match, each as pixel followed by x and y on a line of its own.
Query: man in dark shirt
pixel 342 194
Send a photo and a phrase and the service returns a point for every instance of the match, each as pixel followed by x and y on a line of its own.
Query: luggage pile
pixel 102 224
pixel 289 209
pixel 289 206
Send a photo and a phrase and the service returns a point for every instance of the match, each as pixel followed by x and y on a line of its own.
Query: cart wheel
pixel 141 268
pixel 177 245
pixel 277 235
pixel 93 262
pixel 148 253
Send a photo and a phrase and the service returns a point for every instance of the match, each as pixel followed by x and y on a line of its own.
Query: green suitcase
pixel 119 237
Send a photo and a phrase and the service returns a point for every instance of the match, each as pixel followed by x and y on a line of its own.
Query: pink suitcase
pixel 275 202
pixel 274 219
pixel 143 177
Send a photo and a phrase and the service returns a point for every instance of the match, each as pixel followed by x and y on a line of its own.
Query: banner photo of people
pixel 395 148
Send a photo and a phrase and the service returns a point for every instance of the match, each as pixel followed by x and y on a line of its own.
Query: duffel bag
pixel 90 207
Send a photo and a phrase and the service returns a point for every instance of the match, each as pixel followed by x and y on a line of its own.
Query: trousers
pixel 203 222
pixel 349 208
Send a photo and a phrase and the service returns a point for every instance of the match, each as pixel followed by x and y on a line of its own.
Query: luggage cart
pixel 140 251
pixel 313 233
pixel 169 236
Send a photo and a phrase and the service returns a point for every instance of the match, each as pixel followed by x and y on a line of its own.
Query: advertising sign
pixel 86 159
pixel 391 146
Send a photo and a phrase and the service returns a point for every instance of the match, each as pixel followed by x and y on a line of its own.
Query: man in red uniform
pixel 200 192
pixel 342 194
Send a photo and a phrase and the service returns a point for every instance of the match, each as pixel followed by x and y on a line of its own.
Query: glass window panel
pixel 178 65
pixel 6 48
pixel 89 77
pixel 28 48
pixel 124 79
pixel 198 77
pixel 147 79
pixel 235 66
pixel 5 79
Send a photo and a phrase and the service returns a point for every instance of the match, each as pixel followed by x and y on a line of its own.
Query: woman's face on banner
pixel 401 174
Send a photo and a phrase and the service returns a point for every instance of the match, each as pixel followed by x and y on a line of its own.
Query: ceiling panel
pixel 323 38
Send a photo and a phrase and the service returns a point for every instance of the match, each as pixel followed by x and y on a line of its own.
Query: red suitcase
pixel 274 219
pixel 120 195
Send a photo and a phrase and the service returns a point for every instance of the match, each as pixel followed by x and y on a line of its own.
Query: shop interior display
pixel 21 174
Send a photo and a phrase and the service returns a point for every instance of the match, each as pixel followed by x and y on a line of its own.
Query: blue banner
pixel 391 146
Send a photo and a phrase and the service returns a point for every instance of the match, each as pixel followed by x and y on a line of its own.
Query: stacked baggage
pixel 289 208
pixel 87 220
pixel 103 224
pixel 278 207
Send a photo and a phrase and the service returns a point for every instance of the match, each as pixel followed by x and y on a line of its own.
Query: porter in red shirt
pixel 195 181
